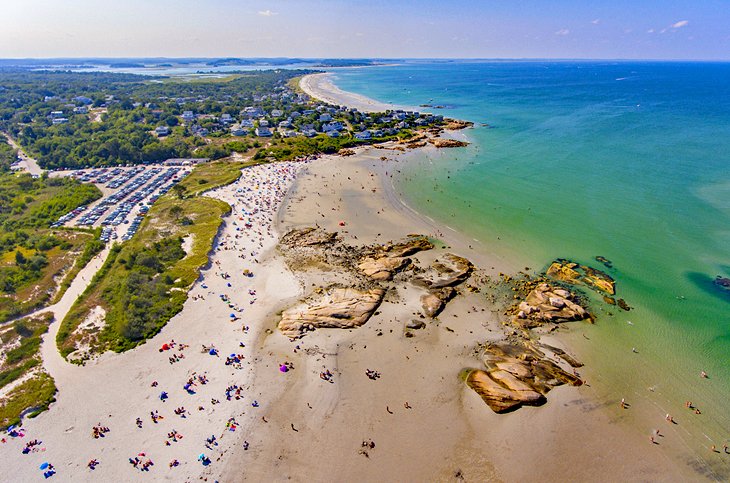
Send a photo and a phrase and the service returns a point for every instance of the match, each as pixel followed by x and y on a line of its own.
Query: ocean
pixel 569 159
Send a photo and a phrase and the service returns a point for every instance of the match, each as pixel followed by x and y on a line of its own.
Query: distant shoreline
pixel 320 86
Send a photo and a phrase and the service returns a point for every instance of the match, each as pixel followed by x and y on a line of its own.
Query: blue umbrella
pixel 44 466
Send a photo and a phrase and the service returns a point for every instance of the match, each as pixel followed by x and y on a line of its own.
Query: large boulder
pixel 516 374
pixel 342 308
pixel 434 302
pixel 498 397
pixel 548 304
pixel 448 271
pixel 382 268
pixel 447 143
pixel 409 246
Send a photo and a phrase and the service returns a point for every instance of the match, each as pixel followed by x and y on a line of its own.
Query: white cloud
pixel 650 31
pixel 680 24
pixel 562 32
pixel 267 13
pixel 596 21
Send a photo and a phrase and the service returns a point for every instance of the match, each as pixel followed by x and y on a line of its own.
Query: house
pixel 188 116
pixel 325 117
pixel 82 99
pixel 276 113
pixel 285 124
pixel 81 110
pixel 226 118
pixel 363 135
pixel 59 120
pixel 56 114
pixel 333 126
pixel 295 114
pixel 310 133
pixel 264 123
pixel 376 133
pixel 263 131
pixel 247 123
pixel 162 131
pixel 333 134
pixel 237 130
pixel 290 134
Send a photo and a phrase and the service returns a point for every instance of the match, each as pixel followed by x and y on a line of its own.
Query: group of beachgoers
pixel 254 199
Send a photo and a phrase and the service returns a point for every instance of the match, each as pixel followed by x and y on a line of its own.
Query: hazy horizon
pixel 676 30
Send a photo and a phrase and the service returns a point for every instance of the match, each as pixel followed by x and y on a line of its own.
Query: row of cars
pixel 140 187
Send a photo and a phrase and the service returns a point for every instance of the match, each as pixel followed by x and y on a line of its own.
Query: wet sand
pixel 427 425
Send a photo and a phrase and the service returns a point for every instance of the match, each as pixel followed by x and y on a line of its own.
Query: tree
pixel 172 121
pixel 179 190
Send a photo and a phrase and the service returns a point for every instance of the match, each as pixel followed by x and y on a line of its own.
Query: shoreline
pixel 449 426
pixel 320 86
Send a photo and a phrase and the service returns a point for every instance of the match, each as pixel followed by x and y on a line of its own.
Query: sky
pixel 615 29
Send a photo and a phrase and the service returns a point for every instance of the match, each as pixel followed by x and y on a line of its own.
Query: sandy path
pixel 116 389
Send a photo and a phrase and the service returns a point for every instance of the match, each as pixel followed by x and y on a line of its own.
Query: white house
pixel 162 131
pixel 325 117
pixel 226 118
pixel 364 135
pixel 188 116
pixel 263 131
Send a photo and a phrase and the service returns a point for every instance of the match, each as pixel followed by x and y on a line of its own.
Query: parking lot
pixel 128 194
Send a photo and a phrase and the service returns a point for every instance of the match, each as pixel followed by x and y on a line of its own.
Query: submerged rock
pixel 573 273
pixel 342 308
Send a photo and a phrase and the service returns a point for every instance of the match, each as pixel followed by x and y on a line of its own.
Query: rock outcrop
pixel 447 143
pixel 342 308
pixel 548 304
pixel 455 124
pixel 516 374
pixel 382 268
pixel 574 273
pixel 448 271
pixel 434 302
pixel 382 261
pixel 307 237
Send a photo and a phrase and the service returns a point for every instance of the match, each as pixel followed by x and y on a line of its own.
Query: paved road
pixel 28 164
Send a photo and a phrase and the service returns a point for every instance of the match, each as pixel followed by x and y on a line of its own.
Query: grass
pixel 63 261
pixel 208 176
pixel 20 345
pixel 31 397
pixel 145 281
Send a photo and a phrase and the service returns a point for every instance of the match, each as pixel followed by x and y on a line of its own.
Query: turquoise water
pixel 630 161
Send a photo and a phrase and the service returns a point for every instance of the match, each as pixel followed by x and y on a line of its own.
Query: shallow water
pixel 630 161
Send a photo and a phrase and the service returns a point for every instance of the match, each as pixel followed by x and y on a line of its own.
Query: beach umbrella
pixel 201 456
pixel 233 316
pixel 43 466
pixel 283 368
pixel 212 352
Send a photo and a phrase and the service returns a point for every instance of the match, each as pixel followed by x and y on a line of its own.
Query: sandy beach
pixel 427 425
pixel 116 389
pixel 214 403
pixel 320 86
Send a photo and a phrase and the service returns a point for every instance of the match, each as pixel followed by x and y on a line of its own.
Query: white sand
pixel 116 389
pixel 320 86
pixel 449 429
